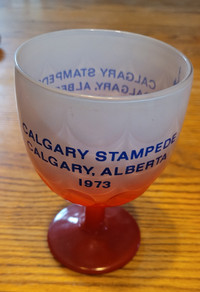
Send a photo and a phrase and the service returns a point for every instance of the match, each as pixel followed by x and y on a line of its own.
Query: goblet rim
pixel 159 94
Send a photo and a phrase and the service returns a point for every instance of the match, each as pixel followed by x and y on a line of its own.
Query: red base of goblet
pixel 93 241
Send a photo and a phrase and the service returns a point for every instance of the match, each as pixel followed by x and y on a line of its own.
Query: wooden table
pixel 168 213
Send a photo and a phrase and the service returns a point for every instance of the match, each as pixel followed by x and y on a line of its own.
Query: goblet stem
pixel 93 240
pixel 94 218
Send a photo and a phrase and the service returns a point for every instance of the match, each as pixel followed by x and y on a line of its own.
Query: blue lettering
pixel 69 150
pixel 107 86
pixel 120 75
pixel 123 155
pixel 116 172
pixel 53 161
pixel 51 79
pixel 36 152
pixel 167 143
pixel 37 140
pixel 148 150
pixel 152 84
pixel 80 86
pixel 91 72
pixel 130 169
pixel 82 153
pixel 111 73
pixel 173 138
pixel 129 76
pixel 31 135
pixel 45 79
pixel 43 158
pixel 158 159
pixel 150 163
pixel 71 87
pixel 87 86
pixel 144 81
pixel 83 71
pixel 65 165
pixel 59 75
pixel 133 92
pixel 164 157
pixel 103 71
pixel 139 92
pixel 106 171
pixel 88 170
pixel 76 167
pixel 139 79
pixel 137 155
pixel 158 147
pixel 77 73
pixel 140 167
pixel 113 153
pixel 124 89
pixel 58 149
pixel 25 128
pixel 115 87
pixel 67 74
pixel 64 87
pixel 99 85
pixel 101 156
pixel 47 143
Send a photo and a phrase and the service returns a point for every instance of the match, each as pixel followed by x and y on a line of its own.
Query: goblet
pixel 100 113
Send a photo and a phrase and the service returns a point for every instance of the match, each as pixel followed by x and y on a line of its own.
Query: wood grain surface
pixel 168 213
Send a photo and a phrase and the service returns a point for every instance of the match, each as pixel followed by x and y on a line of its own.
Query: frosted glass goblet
pixel 100 113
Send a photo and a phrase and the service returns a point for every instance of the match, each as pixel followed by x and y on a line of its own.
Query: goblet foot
pixel 93 246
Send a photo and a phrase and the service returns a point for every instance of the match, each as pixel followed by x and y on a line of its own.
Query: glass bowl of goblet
pixel 100 113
